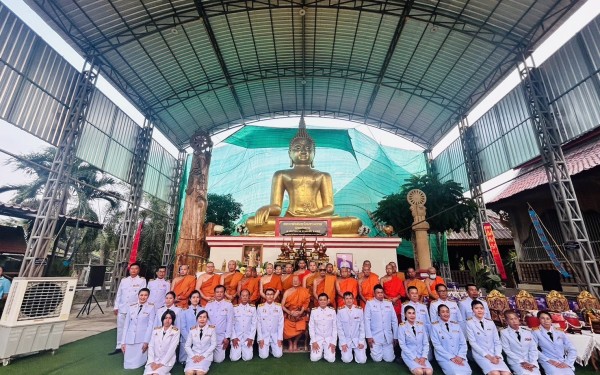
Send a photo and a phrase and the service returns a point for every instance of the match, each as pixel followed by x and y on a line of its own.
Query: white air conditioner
pixel 35 315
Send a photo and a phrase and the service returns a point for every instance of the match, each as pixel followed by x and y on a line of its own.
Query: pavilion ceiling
pixel 408 67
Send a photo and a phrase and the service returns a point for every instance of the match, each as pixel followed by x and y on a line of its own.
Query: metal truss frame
pixel 475 178
pixel 56 191
pixel 571 220
pixel 136 192
pixel 167 257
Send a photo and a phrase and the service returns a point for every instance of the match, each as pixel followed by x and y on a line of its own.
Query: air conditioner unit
pixel 35 315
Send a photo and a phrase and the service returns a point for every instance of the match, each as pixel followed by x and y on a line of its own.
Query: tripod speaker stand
pixel 96 279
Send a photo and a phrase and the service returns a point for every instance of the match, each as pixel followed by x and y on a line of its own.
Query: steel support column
pixel 168 252
pixel 129 225
pixel 549 142
pixel 56 192
pixel 475 178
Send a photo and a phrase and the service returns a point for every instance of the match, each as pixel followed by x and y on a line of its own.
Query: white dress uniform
pixel 188 320
pixel 381 324
pixel 202 342
pixel 414 342
pixel 127 293
pixel 467 311
pixel 485 340
pixel 161 349
pixel 269 327
pixel 136 332
pixel 244 328
pixel 161 311
pixel 557 348
pixel 520 348
pixel 455 314
pixel 220 314
pixel 322 328
pixel 420 309
pixel 158 291
pixel 351 332
pixel 448 342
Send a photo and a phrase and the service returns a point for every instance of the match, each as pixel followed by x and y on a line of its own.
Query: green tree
pixel 223 210
pixel 447 208
pixel 152 239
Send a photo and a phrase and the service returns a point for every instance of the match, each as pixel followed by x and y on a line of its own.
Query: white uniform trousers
pixel 275 350
pixel 323 352
pixel 219 353
pixel 381 351
pixel 360 355
pixel 242 351
pixel 133 357
pixel 120 325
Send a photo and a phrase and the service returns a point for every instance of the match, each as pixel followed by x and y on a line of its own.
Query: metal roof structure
pixel 409 67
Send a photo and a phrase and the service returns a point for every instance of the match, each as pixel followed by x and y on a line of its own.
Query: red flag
pixel 491 239
pixel 136 244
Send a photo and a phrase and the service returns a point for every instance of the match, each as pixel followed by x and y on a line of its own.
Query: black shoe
pixel 117 351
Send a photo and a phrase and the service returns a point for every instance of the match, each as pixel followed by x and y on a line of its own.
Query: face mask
pixel 432 277
pixel 424 275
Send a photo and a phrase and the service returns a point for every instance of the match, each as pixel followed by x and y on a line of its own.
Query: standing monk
pixel 183 286
pixel 287 277
pixel 295 307
pixel 270 281
pixel 310 280
pixel 302 271
pixel 345 284
pixel 230 280
pixel 366 283
pixel 206 284
pixel 325 284
pixel 251 284
pixel 393 289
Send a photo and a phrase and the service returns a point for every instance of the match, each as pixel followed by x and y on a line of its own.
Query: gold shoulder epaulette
pixel 157 328
pixel 470 318
pixel 405 302
pixel 314 308
pixel 211 326
pixel 387 300
pixel 436 322
pixel 402 323
pixel 343 307
pixel 151 303
pixel 359 307
pixel 277 303
pixel 194 327
pixel 133 304
pixel 236 305
pixel 420 323
pixel 453 321
pixel 226 300
pixel 329 307
pixel 251 304
pixel 535 328
pixel 175 328
pixel 262 304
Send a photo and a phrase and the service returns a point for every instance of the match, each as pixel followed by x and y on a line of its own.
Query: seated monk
pixel 412 280
pixel 393 289
pixel 183 286
pixel 230 280
pixel 250 283
pixel 206 284
pixel 325 284
pixel 345 284
pixel 432 282
pixel 310 192
pixel 287 277
pixel 272 281
pixel 366 283
pixel 295 308
pixel 309 280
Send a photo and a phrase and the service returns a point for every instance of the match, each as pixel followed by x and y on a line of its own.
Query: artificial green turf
pixel 89 357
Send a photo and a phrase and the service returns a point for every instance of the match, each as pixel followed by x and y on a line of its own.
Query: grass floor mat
pixel 89 357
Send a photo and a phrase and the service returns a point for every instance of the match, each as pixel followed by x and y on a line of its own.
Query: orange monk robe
pixel 433 283
pixel 329 289
pixel 393 288
pixel 347 285
pixel 275 283
pixel 252 284
pixel 287 283
pixel 302 275
pixel 366 287
pixel 183 289
pixel 294 302
pixel 420 285
pixel 208 288
pixel 310 280
pixel 231 282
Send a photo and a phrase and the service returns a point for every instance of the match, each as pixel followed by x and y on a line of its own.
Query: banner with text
pixel 491 240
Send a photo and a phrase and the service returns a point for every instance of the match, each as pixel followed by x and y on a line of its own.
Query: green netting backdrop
pixel 363 171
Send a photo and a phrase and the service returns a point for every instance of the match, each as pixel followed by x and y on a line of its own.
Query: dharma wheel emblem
pixel 416 197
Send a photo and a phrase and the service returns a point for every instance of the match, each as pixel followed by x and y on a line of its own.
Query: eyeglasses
pixel 322 270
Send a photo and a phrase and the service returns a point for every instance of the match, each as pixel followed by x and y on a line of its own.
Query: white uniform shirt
pixel 159 313
pixel 455 314
pixel 381 322
pixel 220 314
pixel 519 351
pixel 269 326
pixel 420 309
pixel 467 311
pixel 163 345
pixel 351 326
pixel 138 323
pixel 158 290
pixel 244 322
pixel 322 325
pixel 128 292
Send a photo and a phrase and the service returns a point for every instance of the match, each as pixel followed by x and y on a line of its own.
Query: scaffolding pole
pixel 136 192
pixel 565 200
pixel 167 258
pixel 56 191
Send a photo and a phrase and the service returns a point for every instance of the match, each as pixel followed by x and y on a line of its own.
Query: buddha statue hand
pixel 263 213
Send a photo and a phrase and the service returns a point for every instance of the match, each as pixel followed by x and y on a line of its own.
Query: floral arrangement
pixel 364 230
pixel 242 229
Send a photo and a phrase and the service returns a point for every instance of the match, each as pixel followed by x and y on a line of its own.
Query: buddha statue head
pixel 302 147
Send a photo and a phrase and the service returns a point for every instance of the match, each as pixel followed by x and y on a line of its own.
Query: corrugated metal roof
pixel 409 67
pixel 501 232
pixel 14 210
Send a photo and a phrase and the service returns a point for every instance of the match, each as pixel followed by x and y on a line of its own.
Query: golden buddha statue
pixel 310 192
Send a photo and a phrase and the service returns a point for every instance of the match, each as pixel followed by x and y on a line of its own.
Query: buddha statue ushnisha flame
pixel 310 192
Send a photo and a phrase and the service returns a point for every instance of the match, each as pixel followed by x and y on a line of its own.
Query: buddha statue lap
pixel 310 192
